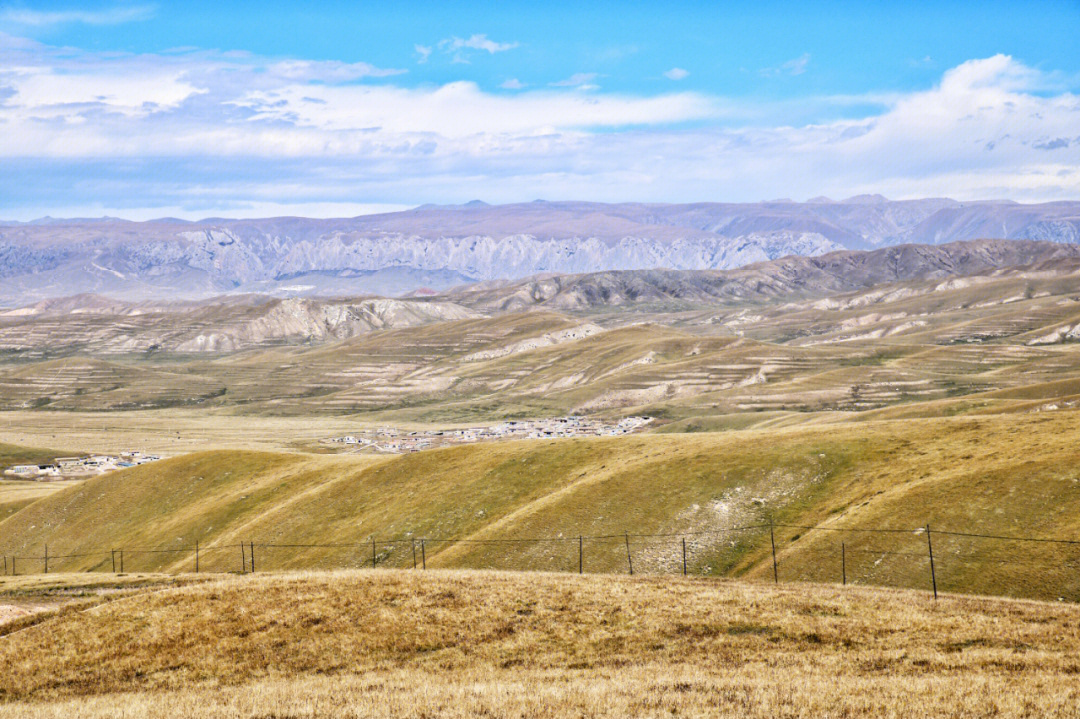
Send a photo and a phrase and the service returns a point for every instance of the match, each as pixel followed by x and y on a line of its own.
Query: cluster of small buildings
pixel 67 467
pixel 390 439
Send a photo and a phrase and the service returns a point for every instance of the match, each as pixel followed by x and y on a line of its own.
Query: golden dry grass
pixel 169 431
pixel 457 644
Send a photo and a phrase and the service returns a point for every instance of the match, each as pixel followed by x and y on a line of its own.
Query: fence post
pixel 5 564
pixel 423 554
pixel 121 561
pixel 372 551
pixel 772 540
pixel 252 547
pixel 196 556
pixel 243 559
pixel 13 573
pixel 580 554
pixel 930 547
pixel 684 556
pixel 46 558
pixel 629 561
pixel 413 542
pixel 113 553
pixel 843 563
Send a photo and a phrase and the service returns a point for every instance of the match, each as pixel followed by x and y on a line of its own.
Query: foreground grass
pixel 469 643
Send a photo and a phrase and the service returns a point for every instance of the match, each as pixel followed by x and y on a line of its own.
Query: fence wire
pixel 939 559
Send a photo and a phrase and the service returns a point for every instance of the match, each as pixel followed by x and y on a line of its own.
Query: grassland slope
pixel 456 644
pixel 1000 475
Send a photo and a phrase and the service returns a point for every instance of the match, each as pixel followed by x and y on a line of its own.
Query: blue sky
pixel 243 108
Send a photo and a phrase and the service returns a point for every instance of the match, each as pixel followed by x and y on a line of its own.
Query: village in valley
pixel 395 441
pixel 77 467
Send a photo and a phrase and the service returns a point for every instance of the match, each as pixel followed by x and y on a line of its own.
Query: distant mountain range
pixel 438 247
pixel 785 279
pixel 99 325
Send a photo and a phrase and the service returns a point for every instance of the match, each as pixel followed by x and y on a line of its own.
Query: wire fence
pixel 934 559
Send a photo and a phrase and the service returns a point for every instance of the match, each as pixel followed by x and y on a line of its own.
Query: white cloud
pixel 424 51
pixel 243 129
pixel 458 48
pixel 476 42
pixel 328 70
pixel 580 80
pixel 109 16
pixel 796 66
pixel 461 109
pixel 513 84
pixel 677 73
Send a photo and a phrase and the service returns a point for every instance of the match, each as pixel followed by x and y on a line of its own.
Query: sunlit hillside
pixel 1005 475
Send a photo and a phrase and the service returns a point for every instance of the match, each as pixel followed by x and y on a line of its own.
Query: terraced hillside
pixel 690 356
pixel 1010 475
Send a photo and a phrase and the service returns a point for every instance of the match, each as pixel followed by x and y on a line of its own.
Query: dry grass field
pixel 462 644
pixel 170 432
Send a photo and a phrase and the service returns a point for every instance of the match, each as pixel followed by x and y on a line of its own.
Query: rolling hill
pixel 1011 475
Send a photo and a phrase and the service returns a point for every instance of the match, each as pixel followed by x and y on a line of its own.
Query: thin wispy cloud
pixel 424 53
pixel 458 48
pixel 44 18
pixel 795 66
pixel 513 84
pixel 329 70
pixel 477 42
pixel 580 80
pixel 677 73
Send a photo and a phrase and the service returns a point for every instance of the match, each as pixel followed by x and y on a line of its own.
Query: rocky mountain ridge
pixel 784 279
pixel 441 247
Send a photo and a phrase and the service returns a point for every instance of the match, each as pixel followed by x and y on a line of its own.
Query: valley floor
pixel 470 643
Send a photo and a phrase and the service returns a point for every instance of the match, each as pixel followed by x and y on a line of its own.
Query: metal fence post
pixel 629 561
pixel 373 560
pixel 113 554
pixel 772 540
pixel 413 542
pixel 252 547
pixel 843 563
pixel 684 556
pixel 580 554
pixel 930 548
pixel 196 556
pixel 46 558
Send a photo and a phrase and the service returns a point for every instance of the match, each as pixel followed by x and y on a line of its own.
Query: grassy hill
pixel 463 644
pixel 1003 475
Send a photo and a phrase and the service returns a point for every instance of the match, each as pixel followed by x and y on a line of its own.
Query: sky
pixel 246 109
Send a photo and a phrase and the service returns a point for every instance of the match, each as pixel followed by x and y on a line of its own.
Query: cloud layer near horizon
pixel 203 132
